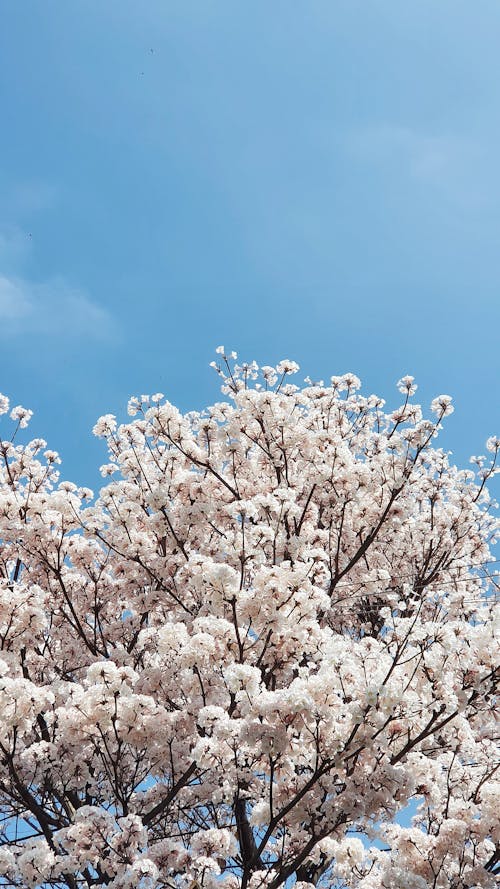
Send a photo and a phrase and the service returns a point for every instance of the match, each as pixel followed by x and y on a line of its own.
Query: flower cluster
pixel 272 631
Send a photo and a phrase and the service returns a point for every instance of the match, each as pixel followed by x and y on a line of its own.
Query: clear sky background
pixel 316 180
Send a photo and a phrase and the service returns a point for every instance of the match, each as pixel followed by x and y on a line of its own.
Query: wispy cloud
pixel 28 197
pixel 451 163
pixel 13 303
pixel 14 247
pixel 52 307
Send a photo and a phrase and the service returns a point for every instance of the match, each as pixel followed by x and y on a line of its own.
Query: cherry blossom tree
pixel 273 630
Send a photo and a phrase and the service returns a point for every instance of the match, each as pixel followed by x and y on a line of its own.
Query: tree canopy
pixel 272 631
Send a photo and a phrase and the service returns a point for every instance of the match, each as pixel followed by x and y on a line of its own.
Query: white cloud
pixel 451 163
pixel 13 303
pixel 31 196
pixel 53 307
pixel 24 198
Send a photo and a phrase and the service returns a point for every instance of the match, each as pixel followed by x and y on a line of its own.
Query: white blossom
pixel 272 631
pixel 442 405
pixel 407 385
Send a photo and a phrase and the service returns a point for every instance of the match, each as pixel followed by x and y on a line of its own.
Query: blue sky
pixel 313 180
